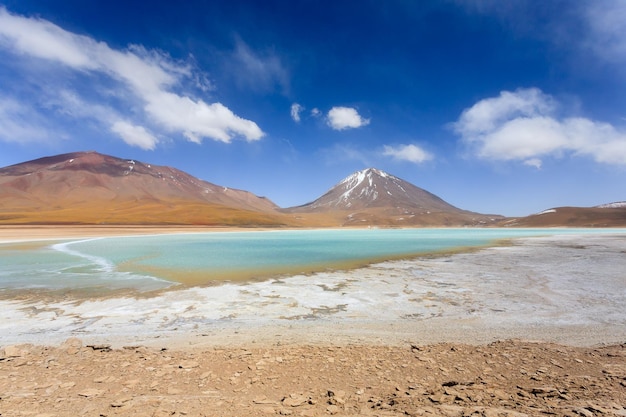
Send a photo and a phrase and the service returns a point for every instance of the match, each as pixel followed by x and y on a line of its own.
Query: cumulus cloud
pixel 315 112
pixel 149 80
pixel 296 109
pixel 523 125
pixel 341 118
pixel 135 135
pixel 410 153
pixel 197 119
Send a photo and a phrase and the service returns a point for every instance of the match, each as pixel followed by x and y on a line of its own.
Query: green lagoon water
pixel 153 262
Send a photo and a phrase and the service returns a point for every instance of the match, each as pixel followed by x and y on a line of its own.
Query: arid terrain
pixel 608 216
pixel 545 344
pixel 509 378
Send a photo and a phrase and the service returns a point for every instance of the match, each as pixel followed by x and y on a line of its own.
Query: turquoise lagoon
pixel 153 262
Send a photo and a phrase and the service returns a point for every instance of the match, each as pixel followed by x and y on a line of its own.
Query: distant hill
pixel 91 188
pixel 605 215
pixel 372 196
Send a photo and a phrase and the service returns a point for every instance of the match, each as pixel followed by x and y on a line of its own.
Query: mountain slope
pixel 375 197
pixel 605 215
pixel 88 187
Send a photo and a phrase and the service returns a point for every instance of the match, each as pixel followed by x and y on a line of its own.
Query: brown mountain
pixel 88 188
pixel 606 215
pixel 374 197
pixel 91 188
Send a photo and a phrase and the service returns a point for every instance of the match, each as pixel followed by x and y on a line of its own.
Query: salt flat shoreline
pixel 567 289
pixel 28 233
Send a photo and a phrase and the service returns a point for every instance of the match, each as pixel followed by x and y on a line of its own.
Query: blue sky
pixel 497 107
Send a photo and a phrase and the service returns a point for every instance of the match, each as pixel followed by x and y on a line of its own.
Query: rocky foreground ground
pixel 509 378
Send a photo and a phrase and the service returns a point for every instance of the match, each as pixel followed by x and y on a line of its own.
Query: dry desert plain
pixel 550 342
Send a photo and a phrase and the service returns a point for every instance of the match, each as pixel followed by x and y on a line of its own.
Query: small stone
pixel 295 400
pixel 451 410
pixel 263 400
pixel 501 395
pixel 438 399
pixel 188 365
pixel 91 392
pixel 103 347
pixel 596 408
pixel 14 351
pixel 332 409
pixel 121 401
pixel 583 412
pixel 72 345
pixel 543 391
pixel 337 396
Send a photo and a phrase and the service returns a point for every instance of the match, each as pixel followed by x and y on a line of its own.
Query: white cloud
pixel 45 40
pixel 589 29
pixel 197 119
pixel 135 135
pixel 523 125
pixel 296 109
pixel 69 103
pixel 20 124
pixel 410 153
pixel 341 118
pixel 258 71
pixel 534 162
pixel 149 78
pixel 488 113
pixel 315 112
pixel 607 26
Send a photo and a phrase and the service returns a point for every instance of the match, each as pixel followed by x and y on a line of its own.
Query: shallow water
pixel 566 289
pixel 146 263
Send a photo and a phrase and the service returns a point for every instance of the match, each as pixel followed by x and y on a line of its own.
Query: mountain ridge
pixel 93 188
pixel 95 163
pixel 87 187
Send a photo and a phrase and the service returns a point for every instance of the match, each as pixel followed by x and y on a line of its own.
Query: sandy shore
pixel 48 232
pixel 455 335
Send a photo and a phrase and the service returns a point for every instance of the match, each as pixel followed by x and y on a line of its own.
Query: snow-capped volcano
pixel 375 188
pixel 372 196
